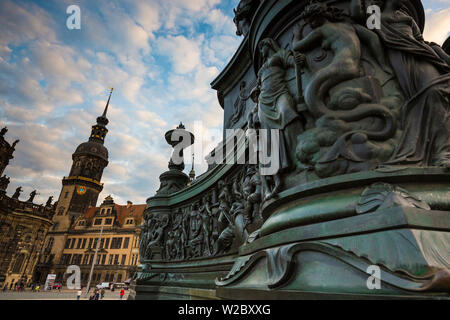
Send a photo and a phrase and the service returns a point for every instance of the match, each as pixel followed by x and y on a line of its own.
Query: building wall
pixel 23 228
pixel 118 254
pixel 69 198
pixel 114 263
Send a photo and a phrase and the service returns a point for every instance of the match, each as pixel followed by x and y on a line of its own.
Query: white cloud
pixel 53 85
pixel 185 54
pixel 437 25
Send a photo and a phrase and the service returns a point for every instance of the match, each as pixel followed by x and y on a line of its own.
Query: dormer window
pixel 97 222
pixel 129 221
pixel 108 221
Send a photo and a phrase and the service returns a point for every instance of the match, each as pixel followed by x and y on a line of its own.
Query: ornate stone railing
pixel 8 204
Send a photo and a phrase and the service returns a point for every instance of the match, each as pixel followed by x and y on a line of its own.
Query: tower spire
pixel 99 130
pixel 107 103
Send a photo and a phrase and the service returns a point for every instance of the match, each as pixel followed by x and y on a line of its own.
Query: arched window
pixel 18 263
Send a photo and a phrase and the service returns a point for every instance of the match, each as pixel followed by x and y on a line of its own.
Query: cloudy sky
pixel 159 55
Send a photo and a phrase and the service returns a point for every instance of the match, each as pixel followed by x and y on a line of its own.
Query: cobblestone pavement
pixel 55 295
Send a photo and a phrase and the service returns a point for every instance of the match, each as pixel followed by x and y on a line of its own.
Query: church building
pixel 77 222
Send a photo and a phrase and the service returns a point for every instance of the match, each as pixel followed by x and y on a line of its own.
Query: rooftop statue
pixel 49 202
pixel 4 182
pixel 16 194
pixel 32 195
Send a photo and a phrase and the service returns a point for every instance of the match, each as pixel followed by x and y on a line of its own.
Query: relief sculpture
pixel 205 228
pixel 353 125
pixel 359 119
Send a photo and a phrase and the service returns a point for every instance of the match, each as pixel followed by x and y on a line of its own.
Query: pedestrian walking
pixel 102 293
pixel 122 292
pixel 5 287
pixel 79 294
pixel 11 285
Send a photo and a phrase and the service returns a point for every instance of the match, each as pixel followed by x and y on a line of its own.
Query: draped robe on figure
pixel 425 80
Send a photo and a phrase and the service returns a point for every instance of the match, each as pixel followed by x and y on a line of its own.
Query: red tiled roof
pixel 90 213
pixel 123 211
pixel 136 211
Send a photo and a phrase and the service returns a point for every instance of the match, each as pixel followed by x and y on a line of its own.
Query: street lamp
pixel 94 260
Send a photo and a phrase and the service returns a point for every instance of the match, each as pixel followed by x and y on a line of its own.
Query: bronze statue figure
pixel 226 237
pixel 243 15
pixel 277 108
pixel 340 98
pixel 207 224
pixel 195 242
pixel 252 191
pixel 424 76
pixel 240 103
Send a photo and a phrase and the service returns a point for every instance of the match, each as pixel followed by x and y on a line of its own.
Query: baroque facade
pixel 23 226
pixel 359 119
pixel 118 249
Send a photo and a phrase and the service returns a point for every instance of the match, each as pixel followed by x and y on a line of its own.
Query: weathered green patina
pixel 364 161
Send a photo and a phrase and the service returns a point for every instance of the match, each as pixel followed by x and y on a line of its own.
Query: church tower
pixel 81 188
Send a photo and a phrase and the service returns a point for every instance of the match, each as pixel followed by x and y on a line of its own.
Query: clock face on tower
pixel 81 190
